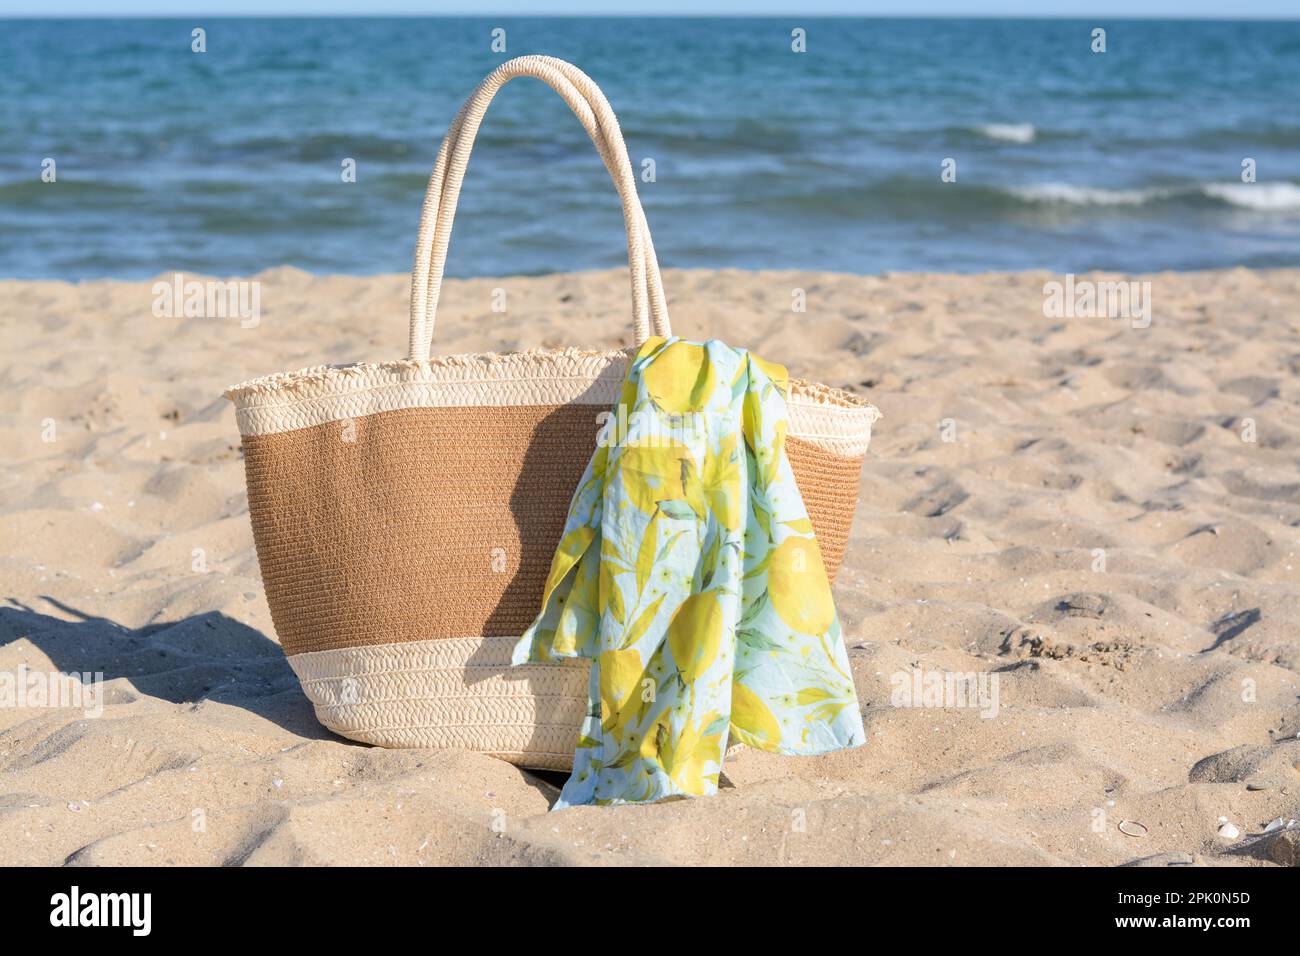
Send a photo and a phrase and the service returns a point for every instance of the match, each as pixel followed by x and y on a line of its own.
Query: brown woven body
pixel 434 523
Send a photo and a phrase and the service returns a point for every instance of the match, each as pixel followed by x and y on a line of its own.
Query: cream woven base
pixel 450 693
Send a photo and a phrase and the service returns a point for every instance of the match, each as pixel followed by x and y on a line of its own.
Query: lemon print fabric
pixel 689 575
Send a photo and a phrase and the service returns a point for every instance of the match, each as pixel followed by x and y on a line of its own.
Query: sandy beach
pixel 1098 522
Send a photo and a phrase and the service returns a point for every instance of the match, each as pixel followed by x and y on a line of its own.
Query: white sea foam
pixel 1068 195
pixel 1260 196
pixel 1270 196
pixel 1008 132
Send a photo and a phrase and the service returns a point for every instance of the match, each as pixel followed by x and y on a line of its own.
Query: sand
pixel 1069 505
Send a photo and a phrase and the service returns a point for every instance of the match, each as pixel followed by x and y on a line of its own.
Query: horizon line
pixel 1044 18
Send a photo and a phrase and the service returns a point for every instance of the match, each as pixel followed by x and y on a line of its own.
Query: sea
pixel 130 148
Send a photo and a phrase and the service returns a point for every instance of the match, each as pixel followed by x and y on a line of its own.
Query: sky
pixel 1153 9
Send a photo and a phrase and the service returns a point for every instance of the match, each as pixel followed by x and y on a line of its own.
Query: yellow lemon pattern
pixel 690 577
pixel 801 592
pixel 682 378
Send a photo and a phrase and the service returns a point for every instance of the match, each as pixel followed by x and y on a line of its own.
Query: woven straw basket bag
pixel 405 513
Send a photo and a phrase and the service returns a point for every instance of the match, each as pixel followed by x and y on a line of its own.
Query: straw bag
pixel 405 513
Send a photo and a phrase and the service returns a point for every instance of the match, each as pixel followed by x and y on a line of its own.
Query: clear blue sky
pixel 1154 9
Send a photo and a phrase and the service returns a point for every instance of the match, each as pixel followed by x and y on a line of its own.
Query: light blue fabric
pixel 690 576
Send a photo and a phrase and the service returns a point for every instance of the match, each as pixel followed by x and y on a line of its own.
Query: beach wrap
pixel 689 575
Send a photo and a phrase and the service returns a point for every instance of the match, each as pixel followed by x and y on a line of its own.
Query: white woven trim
pixel 839 430
pixel 450 654
pixel 313 396
pixel 835 420
pixel 458 693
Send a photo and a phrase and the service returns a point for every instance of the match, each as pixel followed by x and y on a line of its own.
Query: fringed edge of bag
pixel 833 417
pixel 317 378
pixel 815 393
pixel 314 379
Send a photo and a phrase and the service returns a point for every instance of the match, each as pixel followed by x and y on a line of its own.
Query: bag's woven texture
pixel 453 693
pixel 405 513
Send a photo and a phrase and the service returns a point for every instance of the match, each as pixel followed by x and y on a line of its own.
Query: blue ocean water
pixel 229 161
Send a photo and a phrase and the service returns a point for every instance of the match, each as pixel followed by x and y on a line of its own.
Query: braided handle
pixel 649 309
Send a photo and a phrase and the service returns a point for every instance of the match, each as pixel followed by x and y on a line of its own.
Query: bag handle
pixel 649 308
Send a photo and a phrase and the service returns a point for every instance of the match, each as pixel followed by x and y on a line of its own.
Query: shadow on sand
pixel 204 657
